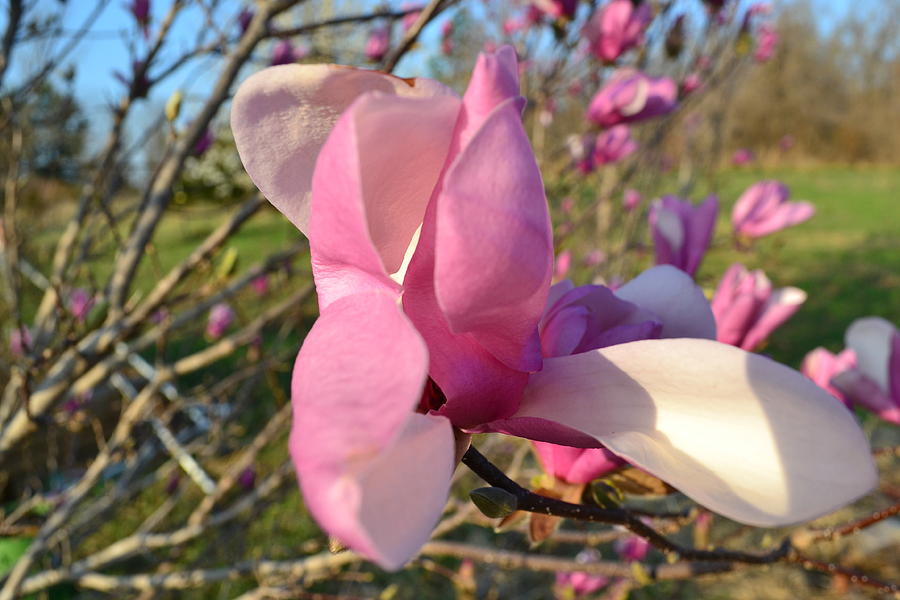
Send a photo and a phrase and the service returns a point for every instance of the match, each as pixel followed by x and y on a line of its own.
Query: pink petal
pixel 373 473
pixel 780 307
pixel 281 116
pixel 735 431
pixel 677 301
pixel 493 246
pixel 495 79
pixel 372 183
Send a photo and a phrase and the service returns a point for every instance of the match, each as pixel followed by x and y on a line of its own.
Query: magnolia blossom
pixel 875 383
pixel 576 465
pixel 79 303
pixel 410 18
pixel 244 19
pixel 616 27
pixel 632 96
pixel 691 83
pixel 283 53
pixel 557 9
pixel 432 256
pixel 632 548
pixel 613 145
pixel 563 263
pixel 766 41
pixel 822 366
pixel 203 143
pixel 221 316
pixel 682 231
pixel 140 10
pixel 631 199
pixel 742 157
pixel 378 42
pixel 764 208
pixel 581 148
pixel 748 310
pixel 579 584
pixel 786 142
pixel 260 285
pixel 20 341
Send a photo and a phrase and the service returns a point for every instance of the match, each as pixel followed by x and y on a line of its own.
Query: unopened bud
pixel 173 105
pixel 494 502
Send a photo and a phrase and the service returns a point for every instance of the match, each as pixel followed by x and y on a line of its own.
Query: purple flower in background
pixel 244 19
pixel 581 148
pixel 617 27
pixel 875 383
pixel 260 285
pixel 742 157
pixel 764 208
pixel 247 478
pixel 579 584
pixel 691 83
pixel 204 143
pixel 613 145
pixel 681 231
pixel 766 41
pixel 221 316
pixel 283 53
pixel 748 309
pixel 378 42
pixel 632 548
pixel 822 366
pixel 631 199
pixel 140 10
pixel 79 304
pixel 20 341
pixel 632 96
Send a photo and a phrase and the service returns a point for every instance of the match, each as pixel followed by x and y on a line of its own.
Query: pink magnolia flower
pixel 632 548
pixel 563 262
pixel 681 231
pixel 204 143
pixel 79 303
pixel 260 285
pixel 616 27
pixel 691 83
pixel 283 53
pixel 742 157
pixel 594 257
pixel 244 19
pixel 140 10
pixel 409 19
pixel 766 41
pixel 557 9
pixel 632 96
pixel 875 383
pixel 424 329
pixel 567 204
pixel 378 42
pixel 579 584
pixel 764 208
pixel 221 316
pixel 822 366
pixel 613 145
pixel 20 341
pixel 748 310
pixel 631 199
pixel 447 37
pixel 576 465
pixel 581 148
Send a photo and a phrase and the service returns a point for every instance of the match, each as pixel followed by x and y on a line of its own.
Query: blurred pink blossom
pixel 260 285
pixel 822 366
pixel 682 231
pixel 378 42
pixel 579 584
pixel 616 27
pixel 79 303
pixel 875 382
pixel 742 157
pixel 748 309
pixel 20 341
pixel 221 316
pixel 632 548
pixel 632 96
pixel 764 208
pixel 613 145
pixel 631 199
pixel 766 41
pixel 563 262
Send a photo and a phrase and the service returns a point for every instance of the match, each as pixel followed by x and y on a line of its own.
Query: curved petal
pixel 281 116
pixel 701 225
pixel 493 242
pixel 672 295
pixel 870 338
pixel 737 432
pixel 780 307
pixel 373 179
pixel 373 473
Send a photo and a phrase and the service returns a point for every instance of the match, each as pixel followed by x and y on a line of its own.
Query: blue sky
pixel 106 50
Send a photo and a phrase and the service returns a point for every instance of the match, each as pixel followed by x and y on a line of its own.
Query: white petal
pixel 740 434
pixel 870 338
pixel 672 295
